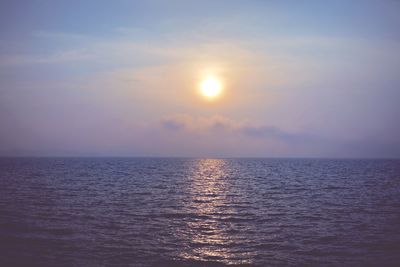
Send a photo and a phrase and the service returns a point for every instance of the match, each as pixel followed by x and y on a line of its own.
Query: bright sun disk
pixel 211 87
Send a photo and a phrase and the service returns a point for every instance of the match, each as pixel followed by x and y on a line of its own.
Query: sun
pixel 210 87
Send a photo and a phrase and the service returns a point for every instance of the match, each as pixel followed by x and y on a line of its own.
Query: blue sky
pixel 120 78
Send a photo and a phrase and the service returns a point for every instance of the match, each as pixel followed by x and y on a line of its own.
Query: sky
pixel 122 78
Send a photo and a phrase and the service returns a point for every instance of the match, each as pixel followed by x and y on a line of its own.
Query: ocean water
pixel 199 212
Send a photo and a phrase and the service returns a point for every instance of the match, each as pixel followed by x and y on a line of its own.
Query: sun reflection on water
pixel 209 232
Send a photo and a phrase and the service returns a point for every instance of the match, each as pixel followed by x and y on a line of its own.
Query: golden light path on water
pixel 209 234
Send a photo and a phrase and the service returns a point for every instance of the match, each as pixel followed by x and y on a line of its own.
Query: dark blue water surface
pixel 199 212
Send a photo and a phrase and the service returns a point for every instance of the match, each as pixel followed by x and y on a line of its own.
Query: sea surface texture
pixel 199 212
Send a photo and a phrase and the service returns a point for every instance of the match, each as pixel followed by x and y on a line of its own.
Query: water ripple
pixel 199 212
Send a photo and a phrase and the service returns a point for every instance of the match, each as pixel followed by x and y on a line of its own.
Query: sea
pixel 199 212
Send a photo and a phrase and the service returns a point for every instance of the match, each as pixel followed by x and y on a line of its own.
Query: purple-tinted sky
pixel 121 78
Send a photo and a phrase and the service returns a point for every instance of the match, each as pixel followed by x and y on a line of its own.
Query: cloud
pixel 59 57
pixel 219 135
pixel 199 124
pixel 171 124
pixel 276 133
pixel 218 123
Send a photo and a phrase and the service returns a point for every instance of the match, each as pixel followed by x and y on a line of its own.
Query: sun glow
pixel 211 87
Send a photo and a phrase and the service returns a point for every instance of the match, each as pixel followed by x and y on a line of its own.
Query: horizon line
pixel 198 157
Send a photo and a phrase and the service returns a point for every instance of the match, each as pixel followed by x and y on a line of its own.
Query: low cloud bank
pixel 219 123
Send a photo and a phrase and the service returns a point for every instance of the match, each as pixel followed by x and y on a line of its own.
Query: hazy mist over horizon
pixel 130 78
